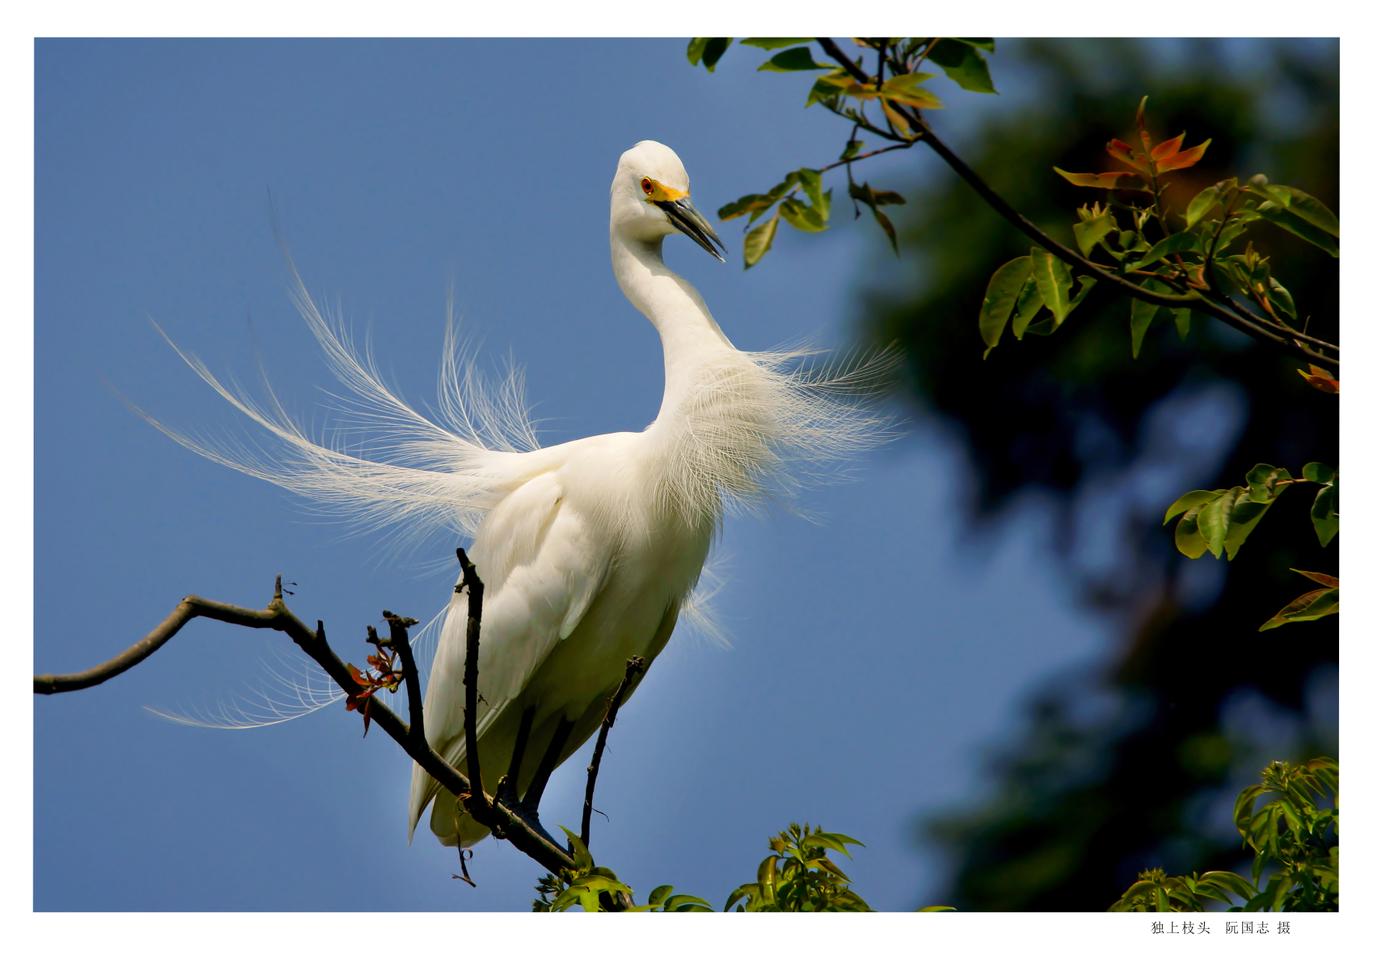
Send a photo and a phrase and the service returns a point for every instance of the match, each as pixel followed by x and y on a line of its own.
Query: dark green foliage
pixel 1291 822
pixel 798 875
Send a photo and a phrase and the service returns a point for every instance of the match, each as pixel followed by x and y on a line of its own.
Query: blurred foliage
pixel 1294 837
pixel 798 875
pixel 1118 768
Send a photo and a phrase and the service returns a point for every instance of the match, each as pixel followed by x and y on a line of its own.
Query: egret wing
pixel 543 567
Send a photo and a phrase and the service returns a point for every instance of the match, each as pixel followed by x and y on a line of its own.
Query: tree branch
pixel 313 643
pixel 1293 344
pixel 634 668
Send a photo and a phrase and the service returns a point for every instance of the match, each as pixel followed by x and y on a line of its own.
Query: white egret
pixel 589 549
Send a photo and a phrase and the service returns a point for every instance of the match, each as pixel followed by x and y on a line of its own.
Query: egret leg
pixel 511 780
pixel 551 758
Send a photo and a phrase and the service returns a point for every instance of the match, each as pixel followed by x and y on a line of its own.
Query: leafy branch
pixel 1193 268
pixel 798 875
pixel 1290 819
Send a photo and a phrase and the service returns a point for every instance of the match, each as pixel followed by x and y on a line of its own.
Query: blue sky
pixel 395 169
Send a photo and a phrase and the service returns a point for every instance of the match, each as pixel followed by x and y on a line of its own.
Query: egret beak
pixel 691 223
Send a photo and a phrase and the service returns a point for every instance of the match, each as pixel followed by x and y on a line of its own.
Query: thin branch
pixel 475 593
pixel 634 668
pixel 313 643
pixel 1292 344
pixel 868 154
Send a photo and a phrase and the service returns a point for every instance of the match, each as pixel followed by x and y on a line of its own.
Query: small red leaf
pixel 1321 379
pixel 1183 159
pixel 1167 148
pixel 1123 152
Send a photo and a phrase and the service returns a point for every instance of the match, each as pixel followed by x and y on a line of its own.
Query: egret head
pixel 650 198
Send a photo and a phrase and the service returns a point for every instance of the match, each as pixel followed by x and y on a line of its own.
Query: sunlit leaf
pixel 1003 290
pixel 1026 307
pixel 1179 160
pixel 1306 608
pixel 906 89
pixel 1106 179
pixel 1317 472
pixel 1095 225
pixel 1052 278
pixel 1187 536
pixel 1325 512
pixel 1213 520
pixel 1188 501
pixel 1121 151
pixel 1320 378
pixel 758 241
pixel 802 217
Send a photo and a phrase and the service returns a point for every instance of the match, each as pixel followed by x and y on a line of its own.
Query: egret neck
pixel 691 337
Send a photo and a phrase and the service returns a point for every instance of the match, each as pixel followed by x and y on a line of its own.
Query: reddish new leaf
pixel 1182 159
pixel 1321 379
pixel 1123 152
pixel 1167 148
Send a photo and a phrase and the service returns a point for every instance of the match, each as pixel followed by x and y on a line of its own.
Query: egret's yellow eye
pixel 647 186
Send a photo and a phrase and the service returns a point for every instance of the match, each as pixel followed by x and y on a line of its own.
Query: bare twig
pixel 476 590
pixel 634 668
pixel 1291 343
pixel 529 840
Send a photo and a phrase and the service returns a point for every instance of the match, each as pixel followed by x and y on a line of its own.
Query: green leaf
pixel 1003 291
pixel 748 205
pixel 1244 517
pixel 801 217
pixel 661 892
pixel 1285 219
pixel 1306 608
pixel 1177 242
pixel 851 149
pixel 1029 303
pixel 1182 319
pixel 1187 536
pixel 707 51
pixel 795 59
pixel 1141 315
pixel 1213 520
pixel 1188 501
pixel 1201 204
pixel 1325 512
pixel 1317 472
pixel 906 89
pixel 1091 230
pixel 1305 207
pixel 758 240
pixel 1053 281
pixel 1261 478
pixel 774 43
pixel 964 65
